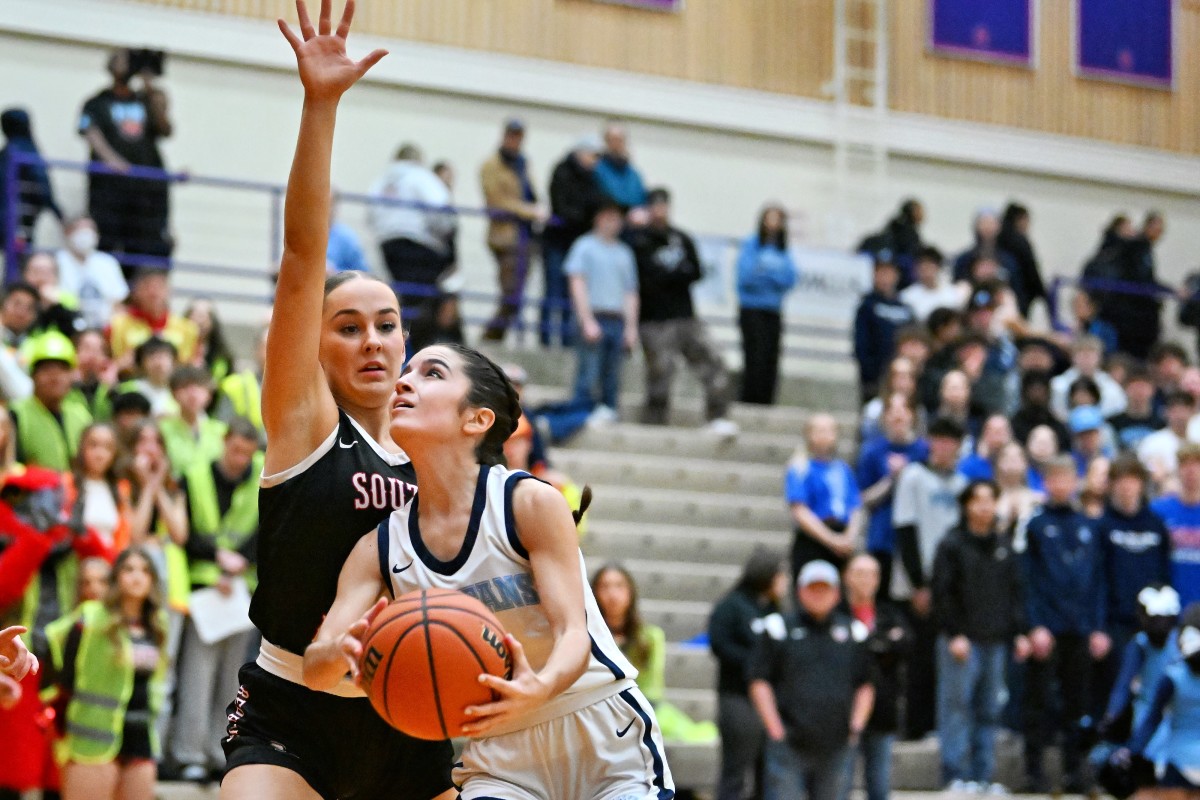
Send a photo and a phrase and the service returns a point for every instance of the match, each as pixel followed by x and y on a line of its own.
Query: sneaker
pixel 601 415
pixel 724 428
pixel 194 773
pixel 957 786
pixel 994 789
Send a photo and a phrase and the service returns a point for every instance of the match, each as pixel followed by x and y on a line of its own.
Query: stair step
pixel 668 472
pixel 760 448
pixel 611 539
pixel 681 580
pixel 680 620
pixel 638 504
pixel 690 666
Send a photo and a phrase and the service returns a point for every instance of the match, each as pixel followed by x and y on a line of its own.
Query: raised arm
pixel 298 409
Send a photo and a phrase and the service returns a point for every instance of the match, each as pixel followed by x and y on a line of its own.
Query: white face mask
pixel 84 240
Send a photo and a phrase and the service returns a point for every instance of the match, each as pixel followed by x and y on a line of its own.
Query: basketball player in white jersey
pixel 571 723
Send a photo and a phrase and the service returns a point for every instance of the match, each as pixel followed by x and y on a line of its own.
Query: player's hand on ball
pixel 351 643
pixel 523 693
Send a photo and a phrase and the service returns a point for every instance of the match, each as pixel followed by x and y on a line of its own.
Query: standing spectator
pixel 615 174
pixel 925 508
pixel 574 198
pixel 122 128
pixel 900 378
pixel 993 436
pixel 344 251
pixel 879 316
pixel 602 272
pixel 668 265
pixel 240 394
pixel 880 462
pixel 35 193
pixel 92 276
pixel 1087 353
pixel 95 483
pixel 415 237
pixel 1139 418
pixel 1136 317
pixel 977 603
pixel 59 309
pixel 451 284
pixel 110 659
pixel 512 201
pixel 1159 450
pixel 49 423
pixel 931 290
pixel 822 494
pixel 765 273
pixel 1034 410
pixel 1064 587
pixel 213 353
pixel 987 249
pixel 1014 240
pixel 736 622
pixel 901 236
pixel 1168 364
pixel 222 499
pixel 1181 514
pixel 1087 437
pixel 192 436
pixel 888 644
pixel 812 689
pixel 1085 311
pixel 1016 481
pixel 148 314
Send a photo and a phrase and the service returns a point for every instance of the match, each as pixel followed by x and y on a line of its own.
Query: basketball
pixel 422 658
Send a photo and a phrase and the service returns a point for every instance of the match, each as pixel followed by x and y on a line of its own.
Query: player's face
pixel 362 345
pixel 429 400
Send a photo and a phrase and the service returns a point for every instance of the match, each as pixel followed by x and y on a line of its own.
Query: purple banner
pixel 650 5
pixel 1125 40
pixel 995 30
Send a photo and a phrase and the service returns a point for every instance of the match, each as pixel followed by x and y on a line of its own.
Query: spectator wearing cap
pixel 765 273
pixel 510 197
pixel 148 314
pixel 880 314
pixel 417 241
pixel 48 423
pixel 1035 409
pixel 1159 450
pixel 1181 513
pixel 1087 353
pixel 668 264
pixel 1139 418
pixel 574 198
pixel 931 290
pixel 618 179
pixel 978 605
pixel 994 380
pixel 1087 436
pixel 813 689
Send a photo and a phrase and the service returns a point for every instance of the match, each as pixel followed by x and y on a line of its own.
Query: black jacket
pixel 668 265
pixel 1032 287
pixel 733 629
pixel 889 643
pixel 574 198
pixel 977 588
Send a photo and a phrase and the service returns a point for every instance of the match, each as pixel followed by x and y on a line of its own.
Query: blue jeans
pixel 791 774
pixel 969 697
pixel 557 317
pixel 876 752
pixel 600 364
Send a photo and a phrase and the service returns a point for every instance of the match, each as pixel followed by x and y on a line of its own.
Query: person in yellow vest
pixel 240 394
pixel 156 361
pixel 109 657
pixel 148 314
pixel 49 423
pixel 95 384
pixel 192 436
pixel 223 508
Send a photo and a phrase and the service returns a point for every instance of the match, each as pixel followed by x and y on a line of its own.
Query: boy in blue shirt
pixel 823 496
pixel 1181 513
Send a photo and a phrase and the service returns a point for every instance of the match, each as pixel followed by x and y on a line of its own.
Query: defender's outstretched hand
pixel 325 69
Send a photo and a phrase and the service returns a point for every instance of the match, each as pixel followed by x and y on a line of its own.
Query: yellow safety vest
pixel 229 532
pixel 43 441
pixel 245 396
pixel 185 448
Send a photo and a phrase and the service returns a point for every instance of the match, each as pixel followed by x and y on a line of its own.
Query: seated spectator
pixel 58 310
pixel 945 327
pixel 240 394
pixel 931 290
pixel 1086 392
pixel 36 194
pixel 1087 436
pixel 191 435
pixel 1064 580
pixel 1086 355
pixel 668 264
pixel 615 174
pixel 602 272
pixel 49 423
pixel 1034 410
pixel 1093 497
pixel 822 494
pixel 913 343
pixel 988 358
pixel 645 645
pixel 737 620
pixel 977 603
pixel 92 276
pixel 147 316
pixel 155 362
pixel 993 436
pixel 213 353
pixel 1118 365
pixel 574 198
pixel 954 403
pixel 1181 513
pixel 1168 362
pixel 812 688
pixel 1016 481
pixel 344 251
pixel 129 410
pixel 765 273
pixel 880 461
pixel 18 313
pixel 888 643
pixel 1014 240
pixel 880 314
pixel 899 378
pixel 94 482
pixel 1158 451
pixel 1086 322
pixel 1042 445
pixel 1138 420
pixel 1038 354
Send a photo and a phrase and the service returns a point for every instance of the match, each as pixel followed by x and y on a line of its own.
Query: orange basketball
pixel 422 659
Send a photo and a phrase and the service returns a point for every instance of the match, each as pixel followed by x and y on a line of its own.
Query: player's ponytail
pixel 491 389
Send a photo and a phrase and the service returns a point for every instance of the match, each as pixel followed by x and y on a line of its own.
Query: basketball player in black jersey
pixel 334 353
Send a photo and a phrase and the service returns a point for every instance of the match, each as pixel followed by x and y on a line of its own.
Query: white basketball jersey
pixel 493 567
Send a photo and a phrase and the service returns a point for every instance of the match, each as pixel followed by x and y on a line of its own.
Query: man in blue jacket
pixel 879 316
pixel 615 174
pixel 1064 582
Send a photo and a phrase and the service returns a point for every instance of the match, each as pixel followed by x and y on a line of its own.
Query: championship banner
pixel 1129 41
pixel 1000 31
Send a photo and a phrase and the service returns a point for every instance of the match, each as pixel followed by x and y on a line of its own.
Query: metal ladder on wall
pixel 860 81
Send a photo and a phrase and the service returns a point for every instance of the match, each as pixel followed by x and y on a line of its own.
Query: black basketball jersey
pixel 310 518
